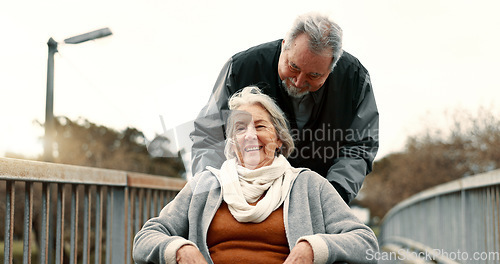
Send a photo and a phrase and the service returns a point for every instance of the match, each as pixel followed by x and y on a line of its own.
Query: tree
pixel 82 142
pixel 472 146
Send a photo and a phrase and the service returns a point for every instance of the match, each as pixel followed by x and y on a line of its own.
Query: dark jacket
pixel 339 141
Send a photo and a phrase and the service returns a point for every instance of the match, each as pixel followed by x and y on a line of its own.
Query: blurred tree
pixel 81 142
pixel 472 146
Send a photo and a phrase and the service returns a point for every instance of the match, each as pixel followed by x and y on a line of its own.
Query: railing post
pixel 44 238
pixel 109 221
pixel 129 225
pixel 28 222
pixel 10 193
pixel 61 197
pixel 118 233
pixel 98 224
pixel 87 204
pixel 74 224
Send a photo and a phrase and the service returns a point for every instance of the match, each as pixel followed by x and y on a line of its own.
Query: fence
pixel 58 213
pixel 457 222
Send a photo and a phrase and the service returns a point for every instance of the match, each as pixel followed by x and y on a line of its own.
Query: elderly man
pixel 325 92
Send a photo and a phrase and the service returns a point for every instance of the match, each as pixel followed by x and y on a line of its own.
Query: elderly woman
pixel 257 208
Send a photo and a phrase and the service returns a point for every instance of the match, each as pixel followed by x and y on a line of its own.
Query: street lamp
pixel 49 106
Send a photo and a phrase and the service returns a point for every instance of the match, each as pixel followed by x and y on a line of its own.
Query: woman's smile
pixel 253 148
pixel 255 137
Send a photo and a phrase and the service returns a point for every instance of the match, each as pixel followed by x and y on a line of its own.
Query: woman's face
pixel 255 137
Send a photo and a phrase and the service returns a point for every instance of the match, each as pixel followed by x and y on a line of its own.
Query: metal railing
pixel 456 222
pixel 57 213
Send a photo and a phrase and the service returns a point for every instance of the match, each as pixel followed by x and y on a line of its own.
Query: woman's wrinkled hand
pixel 189 254
pixel 302 253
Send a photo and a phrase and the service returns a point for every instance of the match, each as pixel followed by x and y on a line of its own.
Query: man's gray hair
pixel 251 95
pixel 324 35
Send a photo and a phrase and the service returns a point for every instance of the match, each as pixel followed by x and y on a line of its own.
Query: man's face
pixel 301 70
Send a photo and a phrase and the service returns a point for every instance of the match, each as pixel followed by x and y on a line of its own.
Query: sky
pixel 425 58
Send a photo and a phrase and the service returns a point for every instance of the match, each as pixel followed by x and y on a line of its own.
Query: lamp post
pixel 49 106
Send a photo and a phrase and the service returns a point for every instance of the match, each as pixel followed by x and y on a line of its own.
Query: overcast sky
pixel 163 58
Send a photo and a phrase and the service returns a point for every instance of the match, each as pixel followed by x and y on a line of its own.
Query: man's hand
pixel 302 253
pixel 189 254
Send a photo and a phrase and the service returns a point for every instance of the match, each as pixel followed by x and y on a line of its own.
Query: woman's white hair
pixel 251 95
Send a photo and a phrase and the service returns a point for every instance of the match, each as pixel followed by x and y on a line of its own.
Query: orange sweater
pixel 230 241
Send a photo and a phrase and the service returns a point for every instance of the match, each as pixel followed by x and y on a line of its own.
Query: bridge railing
pixel 59 213
pixel 456 222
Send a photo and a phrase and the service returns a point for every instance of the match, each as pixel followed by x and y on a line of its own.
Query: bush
pixel 471 146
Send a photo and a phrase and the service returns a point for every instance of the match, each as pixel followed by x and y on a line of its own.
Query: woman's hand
pixel 189 254
pixel 301 253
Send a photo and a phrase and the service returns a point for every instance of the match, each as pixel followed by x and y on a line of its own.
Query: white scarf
pixel 241 186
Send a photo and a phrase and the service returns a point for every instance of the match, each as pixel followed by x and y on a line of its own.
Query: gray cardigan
pixel 314 212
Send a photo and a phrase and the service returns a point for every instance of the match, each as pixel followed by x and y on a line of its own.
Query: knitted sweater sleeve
pixel 344 238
